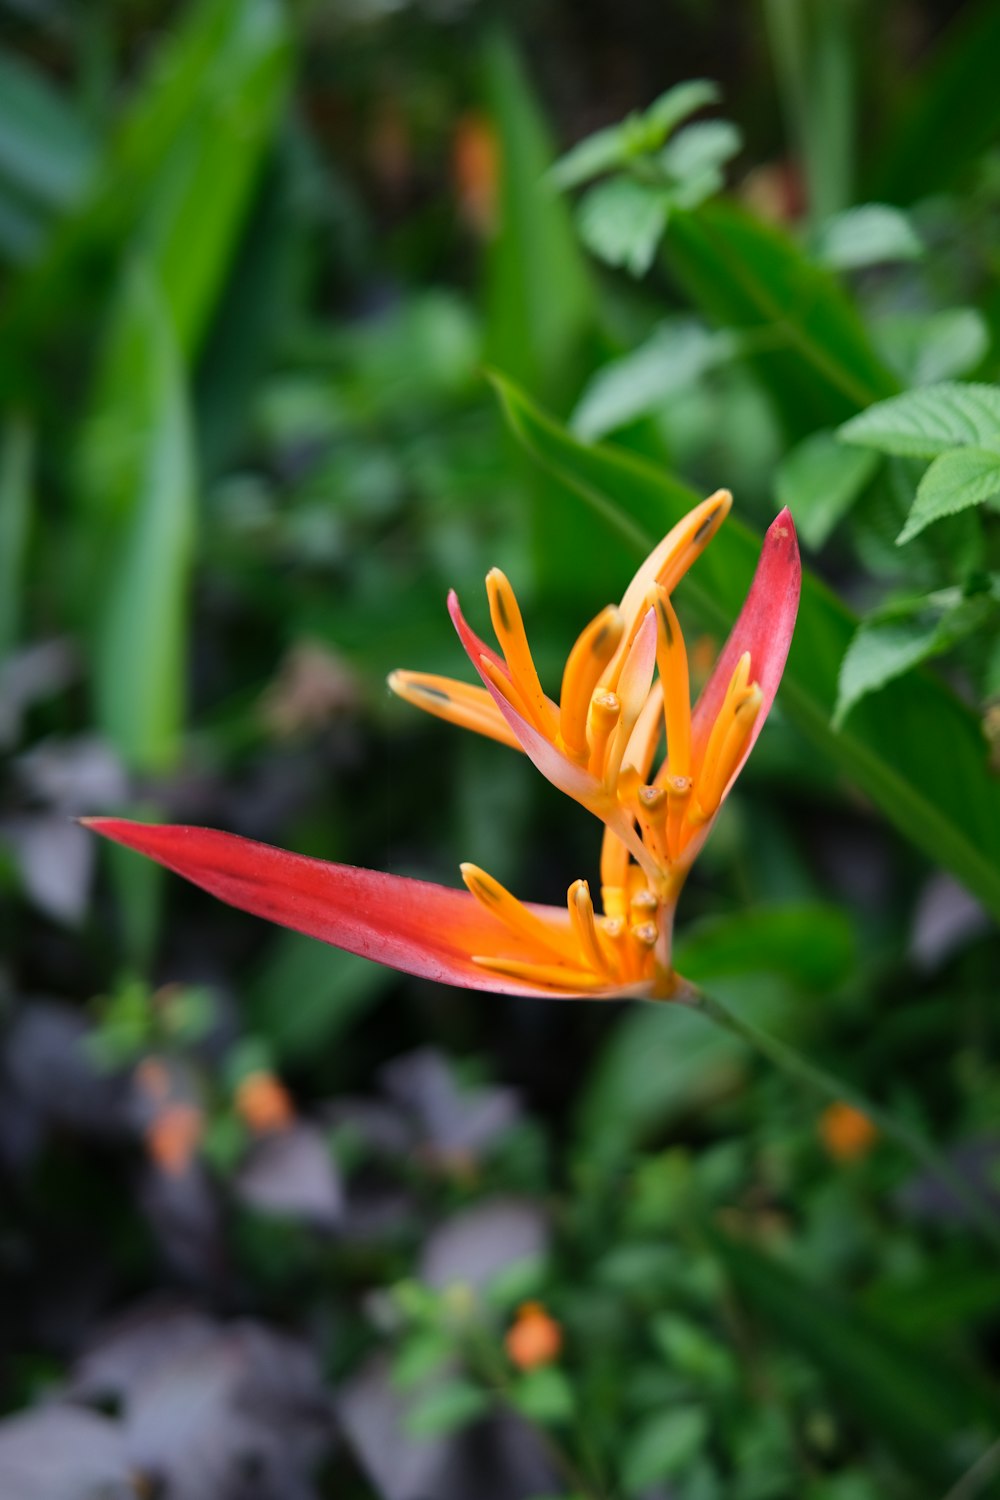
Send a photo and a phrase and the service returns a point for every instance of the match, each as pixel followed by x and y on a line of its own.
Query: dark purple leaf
pixel 455 1122
pixel 61 1452
pixel 473 1246
pixel 292 1173
pixel 54 862
pixel 50 1067
pixel 210 1409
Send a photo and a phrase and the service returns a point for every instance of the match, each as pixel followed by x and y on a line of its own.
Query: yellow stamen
pixel 457 702
pixel 550 976
pixel 646 734
pixel 671 658
pixel 678 790
pixel 523 923
pixel 509 627
pixel 594 648
pixel 605 711
pixel 712 787
pixel 581 916
pixel 652 806
pixel 633 690
pixel 682 546
pixel 736 693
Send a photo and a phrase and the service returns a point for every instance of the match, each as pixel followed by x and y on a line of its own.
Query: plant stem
pixel 790 1061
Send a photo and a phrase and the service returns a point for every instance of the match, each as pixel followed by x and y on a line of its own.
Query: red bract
pixel 598 744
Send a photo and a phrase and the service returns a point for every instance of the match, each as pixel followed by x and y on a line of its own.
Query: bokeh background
pixel 297 331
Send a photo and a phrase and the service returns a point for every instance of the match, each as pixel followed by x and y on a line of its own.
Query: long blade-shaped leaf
pixel 141 659
pixel 913 748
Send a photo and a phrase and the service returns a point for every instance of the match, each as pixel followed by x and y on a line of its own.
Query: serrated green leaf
pixel 883 649
pixel 446 1408
pixel 896 739
pixel 924 423
pixel 956 480
pixel 870 234
pixel 622 222
pixel 819 480
pixel 662 1447
pixel 675 356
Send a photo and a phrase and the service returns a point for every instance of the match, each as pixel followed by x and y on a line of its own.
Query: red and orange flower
pixel 625 688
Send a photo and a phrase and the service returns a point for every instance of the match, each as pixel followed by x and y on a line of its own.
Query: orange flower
pixel 264 1102
pixel 476 168
pixel 534 1339
pixel 173 1136
pixel 598 743
pixel 846 1133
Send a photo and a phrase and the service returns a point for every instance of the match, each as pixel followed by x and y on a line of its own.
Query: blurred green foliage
pixel 304 320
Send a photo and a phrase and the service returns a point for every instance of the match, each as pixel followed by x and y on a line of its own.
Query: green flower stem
pixel 791 1062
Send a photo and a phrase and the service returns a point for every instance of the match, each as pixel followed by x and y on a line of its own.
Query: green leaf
pixel 538 295
pixel 956 480
pixel 622 222
pixel 197 207
pixel 420 1356
pixel 140 664
pixel 16 479
pixel 925 348
pixel 820 480
pixel 883 649
pixel 871 234
pixel 545 1396
pixel 660 1065
pixel 446 1408
pixel 672 108
pixel 331 989
pixel 662 1447
pixel 927 1410
pixel 675 356
pixel 615 145
pixel 700 149
pixel 46 148
pixel 182 164
pixel 929 421
pixel 810 944
pixel 812 353
pixel 897 740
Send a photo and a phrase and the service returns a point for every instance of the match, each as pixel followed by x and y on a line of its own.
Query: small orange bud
pixel 172 1138
pixel 534 1339
pixel 475 164
pixel 264 1103
pixel 846 1133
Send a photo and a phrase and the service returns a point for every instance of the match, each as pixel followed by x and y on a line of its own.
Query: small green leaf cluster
pixel 651 166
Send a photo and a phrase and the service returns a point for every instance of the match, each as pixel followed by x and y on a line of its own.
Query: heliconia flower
pixel 598 744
